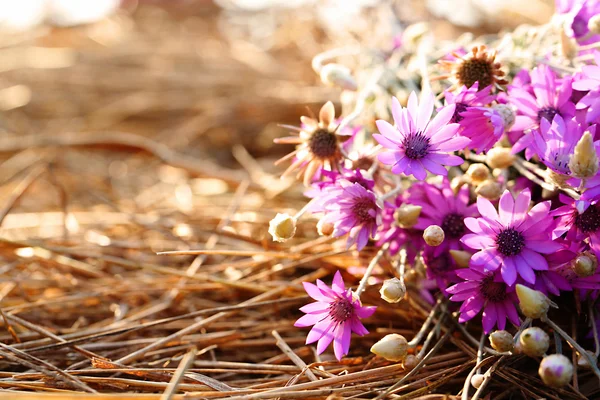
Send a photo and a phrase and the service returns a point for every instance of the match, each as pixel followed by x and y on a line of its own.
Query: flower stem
pixel 594 329
pixel 415 341
pixel 363 282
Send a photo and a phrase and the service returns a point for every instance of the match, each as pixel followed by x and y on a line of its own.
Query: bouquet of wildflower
pixel 475 170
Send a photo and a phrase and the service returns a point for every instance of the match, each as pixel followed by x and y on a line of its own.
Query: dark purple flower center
pixel 492 291
pixel 547 113
pixel 362 210
pixel 453 225
pixel 323 144
pixel 456 117
pixel 362 181
pixel 439 265
pixel 341 310
pixel 589 221
pixel 561 162
pixel 416 145
pixel 579 26
pixel 475 70
pixel 510 242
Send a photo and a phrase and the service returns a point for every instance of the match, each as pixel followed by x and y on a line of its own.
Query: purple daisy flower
pixel 485 127
pixel 512 239
pixel 334 316
pixel 554 143
pixel 487 291
pixel 352 210
pixel 583 11
pixel 580 220
pixel 590 81
pixel 553 281
pixel 549 98
pixel 390 232
pixel 440 268
pixel 467 97
pixel 416 144
pixel 440 206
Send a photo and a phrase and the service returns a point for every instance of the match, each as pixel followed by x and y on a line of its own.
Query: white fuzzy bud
pixel 338 75
pixel 478 173
pixel 534 342
pixel 461 257
pixel 585 264
pixel 533 303
pixel 556 370
pixel 324 228
pixel 489 189
pixel 477 380
pixel 282 227
pixel 410 362
pixel 584 161
pixel 407 215
pixel 502 341
pixel 500 157
pixel 594 24
pixel 433 235
pixel 392 347
pixel 392 290
pixel 507 113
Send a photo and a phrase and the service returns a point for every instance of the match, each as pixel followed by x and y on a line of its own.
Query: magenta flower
pixel 440 268
pixel 554 143
pixel 554 280
pixel 487 291
pixel 590 81
pixel 512 239
pixel 440 206
pixel 390 232
pixel 334 316
pixel 580 220
pixel 485 127
pixel 416 144
pixel 583 11
pixel 352 210
pixel 549 98
pixel 465 98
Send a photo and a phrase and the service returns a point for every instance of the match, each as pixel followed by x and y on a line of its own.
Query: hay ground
pixel 152 133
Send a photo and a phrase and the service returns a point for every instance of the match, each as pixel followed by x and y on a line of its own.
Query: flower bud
pixel 477 173
pixel 282 227
pixel 533 303
pixel 392 290
pixel 502 341
pixel 324 228
pixel 410 362
pixel 507 113
pixel 534 342
pixel 594 24
pixel 500 157
pixel 584 161
pixel 392 347
pixel 338 75
pixel 489 189
pixel 568 45
pixel 556 370
pixel 477 380
pixel 461 257
pixel 433 235
pixel 585 264
pixel 583 361
pixel 407 215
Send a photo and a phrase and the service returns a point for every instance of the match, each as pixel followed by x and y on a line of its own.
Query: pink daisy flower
pixel 352 210
pixel 550 97
pixel 334 316
pixel 487 291
pixel 511 239
pixel 397 237
pixel 590 81
pixel 418 144
pixel 580 220
pixel 441 207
